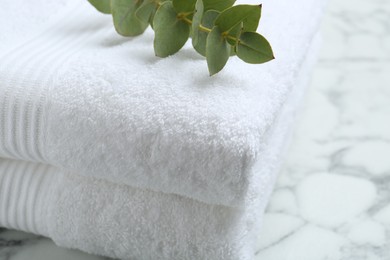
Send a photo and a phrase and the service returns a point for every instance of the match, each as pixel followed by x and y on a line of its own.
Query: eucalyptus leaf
pixel 217 51
pixel 198 14
pixel 249 15
pixel 154 12
pixel 218 5
pixel 146 10
pixel 234 34
pixel 217 28
pixel 103 6
pixel 254 48
pixel 196 20
pixel 171 33
pixel 200 36
pixel 233 51
pixel 184 6
pixel 125 20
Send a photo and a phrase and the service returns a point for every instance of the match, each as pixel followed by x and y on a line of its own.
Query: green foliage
pixel 103 6
pixel 125 20
pixel 217 50
pixel 218 5
pixel 248 15
pixel 217 28
pixel 199 36
pixel 184 6
pixel 254 48
pixel 171 33
pixel 146 11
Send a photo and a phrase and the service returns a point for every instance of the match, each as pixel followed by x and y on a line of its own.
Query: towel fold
pixel 121 221
pixel 75 95
pixel 108 149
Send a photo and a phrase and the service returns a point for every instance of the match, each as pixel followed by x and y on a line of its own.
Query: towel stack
pixel 108 149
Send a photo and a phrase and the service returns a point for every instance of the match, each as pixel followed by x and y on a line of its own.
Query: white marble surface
pixel 332 200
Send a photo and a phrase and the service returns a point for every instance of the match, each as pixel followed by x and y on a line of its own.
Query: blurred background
pixel 332 199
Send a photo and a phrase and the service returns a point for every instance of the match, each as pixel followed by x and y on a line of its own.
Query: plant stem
pixel 205 29
pixel 201 27
pixel 185 19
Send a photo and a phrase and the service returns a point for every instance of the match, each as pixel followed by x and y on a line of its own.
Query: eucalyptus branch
pixel 217 28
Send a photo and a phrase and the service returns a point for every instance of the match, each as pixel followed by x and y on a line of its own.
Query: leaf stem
pixel 205 29
pixel 228 36
pixel 185 19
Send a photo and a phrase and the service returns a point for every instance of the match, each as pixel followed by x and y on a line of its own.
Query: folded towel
pixel 120 221
pixel 75 95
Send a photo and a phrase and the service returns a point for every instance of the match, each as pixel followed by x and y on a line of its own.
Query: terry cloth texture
pixel 79 97
pixel 121 221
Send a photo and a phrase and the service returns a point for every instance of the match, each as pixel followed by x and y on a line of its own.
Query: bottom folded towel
pixel 119 221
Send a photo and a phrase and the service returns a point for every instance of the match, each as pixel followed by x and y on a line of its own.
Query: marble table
pixel 332 199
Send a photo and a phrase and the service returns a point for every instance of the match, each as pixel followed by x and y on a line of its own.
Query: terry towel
pixel 108 149
pixel 120 221
pixel 75 95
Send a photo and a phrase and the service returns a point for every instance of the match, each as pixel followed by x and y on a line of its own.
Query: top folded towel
pixel 76 95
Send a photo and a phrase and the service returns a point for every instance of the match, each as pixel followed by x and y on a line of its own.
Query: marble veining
pixel 332 199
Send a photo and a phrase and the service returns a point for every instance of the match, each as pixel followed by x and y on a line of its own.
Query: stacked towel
pixel 111 150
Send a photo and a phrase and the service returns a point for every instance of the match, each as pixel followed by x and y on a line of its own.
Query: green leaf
pixel 197 18
pixel 235 33
pixel 125 20
pixel 217 51
pixel 249 15
pixel 232 50
pixel 184 6
pixel 199 37
pixel 171 33
pixel 218 5
pixel 146 10
pixel 254 48
pixel 103 6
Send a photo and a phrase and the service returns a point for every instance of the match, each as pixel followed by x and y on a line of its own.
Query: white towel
pixel 119 221
pixel 75 95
